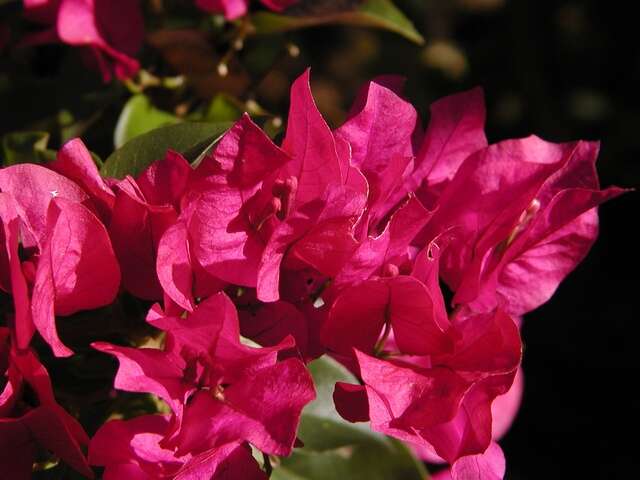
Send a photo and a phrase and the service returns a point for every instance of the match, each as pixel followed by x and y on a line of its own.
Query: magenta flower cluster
pixel 336 242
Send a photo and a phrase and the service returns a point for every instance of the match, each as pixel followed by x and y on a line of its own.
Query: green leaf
pixel 140 116
pixel 223 108
pixel 190 139
pixel 371 13
pixel 26 147
pixel 335 448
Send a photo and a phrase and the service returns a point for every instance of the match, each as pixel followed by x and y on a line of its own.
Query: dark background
pixel 563 70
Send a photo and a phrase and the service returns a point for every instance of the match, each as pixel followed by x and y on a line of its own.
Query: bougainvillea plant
pixel 335 243
pixel 337 303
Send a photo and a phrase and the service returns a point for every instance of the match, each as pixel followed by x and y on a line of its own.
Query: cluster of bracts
pixel 337 242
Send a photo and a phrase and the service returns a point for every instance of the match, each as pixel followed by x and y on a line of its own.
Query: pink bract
pixel 70 263
pixel 132 449
pixel 220 391
pixel 111 31
pixel 25 428
pixel 233 9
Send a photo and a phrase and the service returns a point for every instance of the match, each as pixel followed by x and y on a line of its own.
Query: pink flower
pixel 256 213
pixel 383 131
pixel 66 262
pixel 327 197
pixel 29 423
pixel 74 161
pixel 255 206
pixel 233 9
pixel 111 31
pixel 396 157
pixel 489 465
pixel 135 229
pixel 132 449
pixel 521 215
pixel 143 210
pixel 229 218
pixel 219 390
pixel 432 385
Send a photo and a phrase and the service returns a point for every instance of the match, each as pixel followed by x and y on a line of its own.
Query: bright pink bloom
pixel 144 209
pixel 383 131
pixel 387 253
pixel 505 407
pixel 132 449
pixel 74 161
pixel 256 210
pixel 521 215
pixel 268 324
pixel 220 391
pixel 455 131
pixel 442 376
pixel 136 228
pixel 69 266
pixel 388 146
pixel 401 303
pixel 233 9
pixel 111 31
pixel 439 401
pixel 327 194
pixel 29 424
pixel 489 465
pixel 228 220
pixel 503 412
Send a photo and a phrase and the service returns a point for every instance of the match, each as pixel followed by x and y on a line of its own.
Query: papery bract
pixel 77 269
pixel 33 187
pixel 25 426
pixel 220 391
pixel 97 25
pixel 389 250
pixel 450 371
pixel 255 209
pixel 328 197
pixel 455 131
pixel 233 9
pixel 226 221
pixel 489 465
pixel 131 449
pixel 531 245
pixel 136 229
pixel 401 303
pixel 382 130
pixel 74 162
pixel 70 263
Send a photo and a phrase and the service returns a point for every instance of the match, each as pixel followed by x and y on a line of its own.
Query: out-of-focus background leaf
pixel 370 13
pixel 23 147
pixel 139 116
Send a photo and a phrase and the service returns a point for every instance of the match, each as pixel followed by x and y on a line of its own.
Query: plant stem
pixel 268 468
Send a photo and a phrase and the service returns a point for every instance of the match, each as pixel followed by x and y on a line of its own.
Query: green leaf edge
pixel 190 139
pixel 367 15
